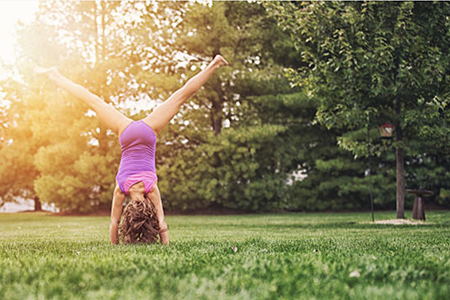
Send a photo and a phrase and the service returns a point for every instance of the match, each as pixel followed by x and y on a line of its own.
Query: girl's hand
pixel 164 234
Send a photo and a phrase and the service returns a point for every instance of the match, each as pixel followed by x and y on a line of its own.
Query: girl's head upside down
pixel 140 223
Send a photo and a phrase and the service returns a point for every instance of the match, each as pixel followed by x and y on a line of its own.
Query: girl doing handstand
pixel 144 215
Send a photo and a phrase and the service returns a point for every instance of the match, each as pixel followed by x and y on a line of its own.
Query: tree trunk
pixel 100 54
pixel 37 204
pixel 400 162
pixel 400 157
pixel 217 112
pixel 216 117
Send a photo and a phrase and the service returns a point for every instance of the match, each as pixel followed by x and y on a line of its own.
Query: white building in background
pixel 24 205
pixel 298 175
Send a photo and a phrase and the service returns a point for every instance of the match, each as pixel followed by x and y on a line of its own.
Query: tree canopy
pixel 368 63
pixel 251 139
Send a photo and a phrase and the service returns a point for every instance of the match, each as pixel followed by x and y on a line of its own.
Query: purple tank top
pixel 138 144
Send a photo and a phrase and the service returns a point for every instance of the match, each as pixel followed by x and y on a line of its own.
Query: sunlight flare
pixel 10 13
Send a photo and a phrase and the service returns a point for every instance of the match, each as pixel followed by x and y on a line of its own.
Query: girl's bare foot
pixel 220 61
pixel 50 72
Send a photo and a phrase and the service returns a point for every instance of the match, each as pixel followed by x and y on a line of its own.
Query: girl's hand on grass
pixel 164 234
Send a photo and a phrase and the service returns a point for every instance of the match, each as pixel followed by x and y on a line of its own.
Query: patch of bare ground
pixel 402 222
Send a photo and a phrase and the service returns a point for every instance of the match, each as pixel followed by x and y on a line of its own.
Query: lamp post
pixel 370 171
pixel 386 130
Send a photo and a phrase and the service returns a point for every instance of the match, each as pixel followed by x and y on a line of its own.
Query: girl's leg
pixel 107 114
pixel 155 197
pixel 162 115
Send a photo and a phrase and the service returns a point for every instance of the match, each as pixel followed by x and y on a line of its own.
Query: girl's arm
pixel 155 196
pixel 116 214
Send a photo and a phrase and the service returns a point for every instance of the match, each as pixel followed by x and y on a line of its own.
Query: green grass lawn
pixel 286 256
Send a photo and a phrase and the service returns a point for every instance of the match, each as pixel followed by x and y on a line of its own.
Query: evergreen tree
pixel 76 157
pixel 17 171
pixel 98 45
pixel 220 152
pixel 236 144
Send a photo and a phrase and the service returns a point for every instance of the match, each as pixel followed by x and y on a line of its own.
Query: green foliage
pixel 73 158
pixel 444 197
pixel 236 169
pixel 383 59
pixel 229 148
pixel 367 63
pixel 135 58
pixel 241 139
pixel 217 151
pixel 284 256
pixel 18 145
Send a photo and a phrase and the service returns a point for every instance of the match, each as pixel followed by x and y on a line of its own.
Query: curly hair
pixel 140 223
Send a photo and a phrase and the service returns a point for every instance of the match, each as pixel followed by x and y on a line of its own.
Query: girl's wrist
pixel 162 224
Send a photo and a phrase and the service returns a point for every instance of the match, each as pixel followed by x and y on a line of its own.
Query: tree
pixel 75 157
pixel 236 144
pixel 96 44
pixel 220 152
pixel 17 171
pixel 372 62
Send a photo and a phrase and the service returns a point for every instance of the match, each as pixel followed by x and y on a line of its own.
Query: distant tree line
pixel 283 128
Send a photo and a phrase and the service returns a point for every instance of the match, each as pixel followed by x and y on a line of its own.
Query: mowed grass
pixel 285 256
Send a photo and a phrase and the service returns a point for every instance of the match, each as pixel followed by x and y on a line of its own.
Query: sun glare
pixel 10 13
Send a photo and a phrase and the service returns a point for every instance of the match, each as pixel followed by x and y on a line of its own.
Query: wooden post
pixel 418 210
